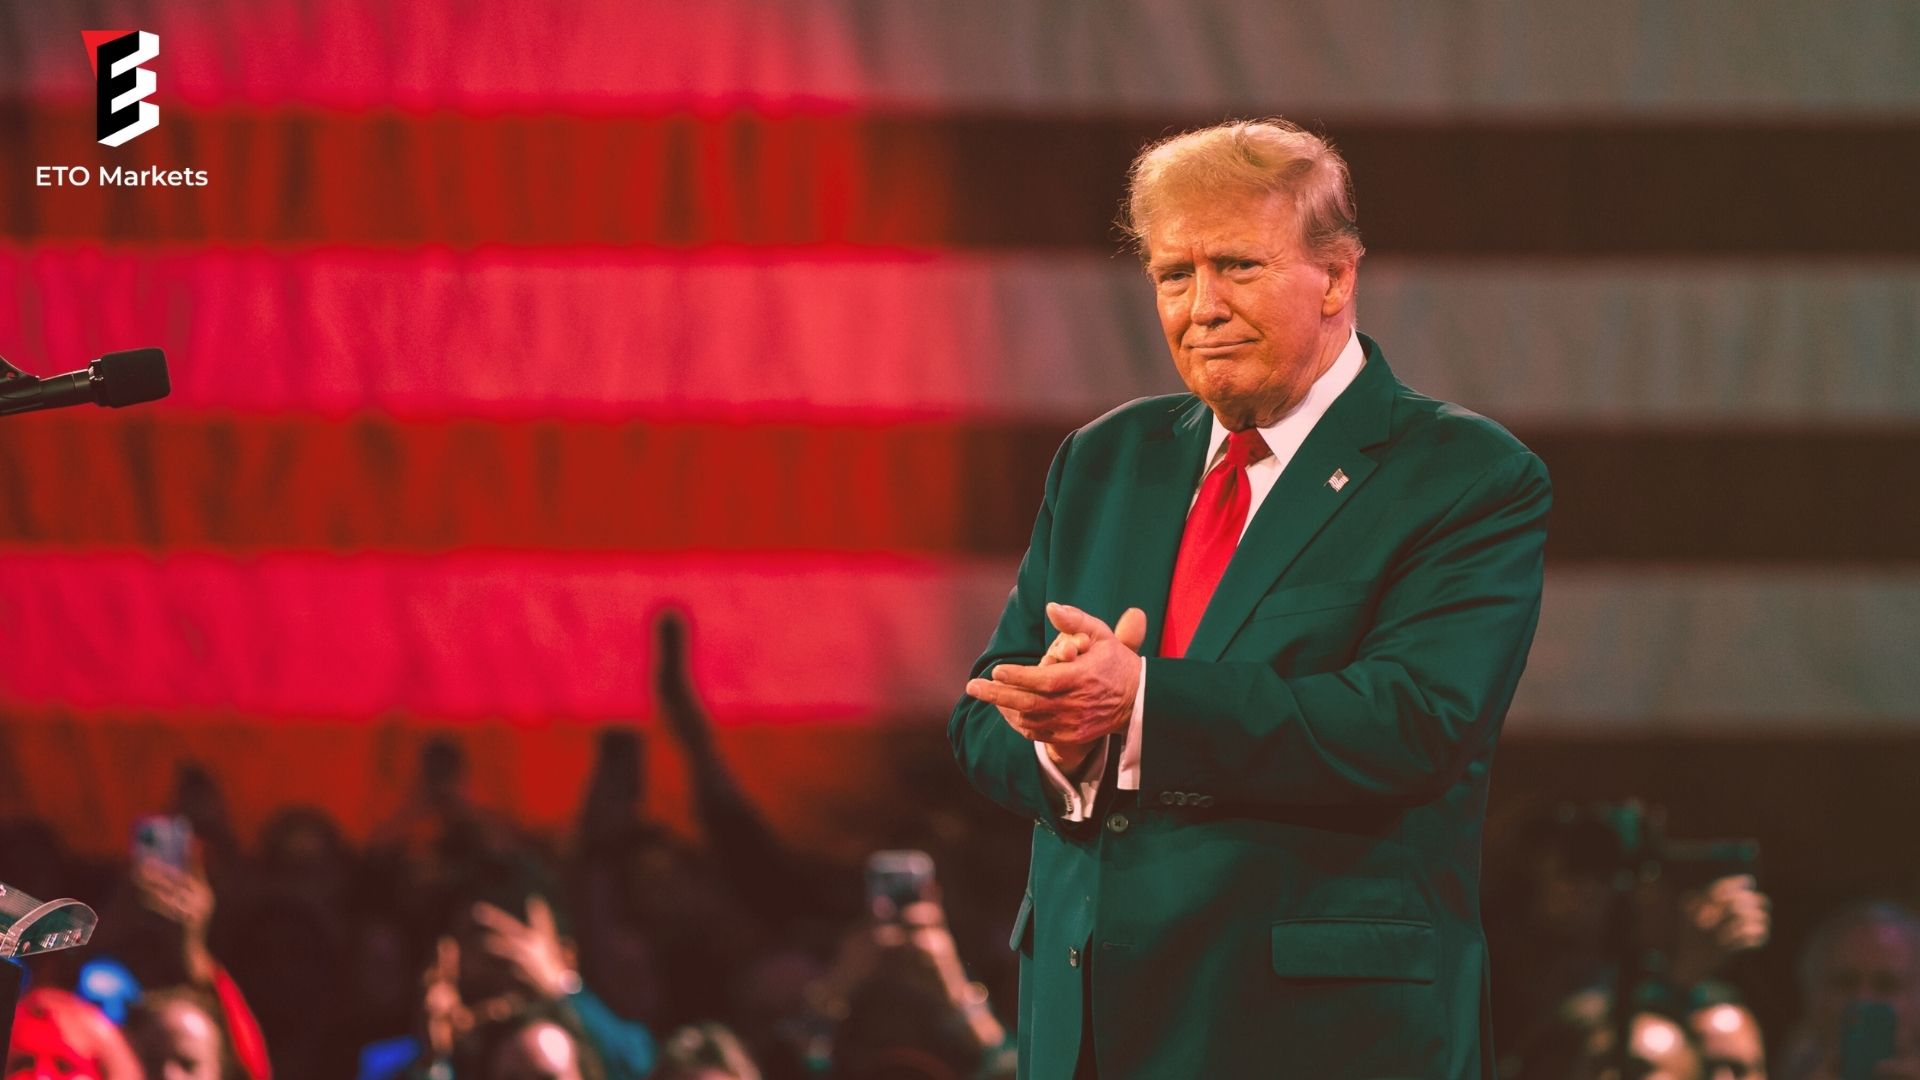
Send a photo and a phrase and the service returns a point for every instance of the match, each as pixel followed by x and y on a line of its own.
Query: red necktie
pixel 1213 531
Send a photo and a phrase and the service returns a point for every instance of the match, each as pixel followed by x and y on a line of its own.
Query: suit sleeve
pixel 996 759
pixel 1426 691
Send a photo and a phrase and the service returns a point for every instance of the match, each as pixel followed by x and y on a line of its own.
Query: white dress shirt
pixel 1283 437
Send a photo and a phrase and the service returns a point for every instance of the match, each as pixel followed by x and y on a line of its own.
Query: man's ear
pixel 1340 278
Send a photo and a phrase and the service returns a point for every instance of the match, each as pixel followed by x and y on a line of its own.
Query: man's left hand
pixel 1078 702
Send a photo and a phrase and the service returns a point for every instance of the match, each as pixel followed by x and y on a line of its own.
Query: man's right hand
pixel 1069 738
pixel 1064 649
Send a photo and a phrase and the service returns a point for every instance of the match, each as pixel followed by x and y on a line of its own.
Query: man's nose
pixel 1209 306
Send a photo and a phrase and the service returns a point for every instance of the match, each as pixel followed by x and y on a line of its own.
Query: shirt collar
pixel 1285 435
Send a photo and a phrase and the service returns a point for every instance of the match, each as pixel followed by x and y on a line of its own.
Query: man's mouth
pixel 1217 347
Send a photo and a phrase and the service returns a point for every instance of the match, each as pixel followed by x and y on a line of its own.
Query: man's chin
pixel 1235 411
pixel 1239 408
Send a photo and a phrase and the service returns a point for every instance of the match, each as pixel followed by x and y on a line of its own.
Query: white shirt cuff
pixel 1130 752
pixel 1076 799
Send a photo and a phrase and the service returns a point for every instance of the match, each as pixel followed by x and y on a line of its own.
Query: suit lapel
pixel 1169 469
pixel 1301 502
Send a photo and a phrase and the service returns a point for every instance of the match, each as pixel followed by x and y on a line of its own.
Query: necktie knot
pixel 1246 447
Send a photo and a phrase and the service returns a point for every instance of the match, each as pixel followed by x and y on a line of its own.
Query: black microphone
pixel 115 380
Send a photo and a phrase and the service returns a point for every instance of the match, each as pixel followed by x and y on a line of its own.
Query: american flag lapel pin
pixel 1338 480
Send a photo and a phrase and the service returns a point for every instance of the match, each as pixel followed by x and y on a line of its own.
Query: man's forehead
pixel 1236 222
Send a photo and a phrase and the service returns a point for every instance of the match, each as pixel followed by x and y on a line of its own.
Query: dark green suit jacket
pixel 1294 891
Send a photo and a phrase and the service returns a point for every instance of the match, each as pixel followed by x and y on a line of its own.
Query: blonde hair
pixel 1271 155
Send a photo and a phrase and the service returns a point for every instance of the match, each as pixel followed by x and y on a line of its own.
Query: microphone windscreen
pixel 131 377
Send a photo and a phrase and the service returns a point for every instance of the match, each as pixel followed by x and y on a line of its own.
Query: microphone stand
pixel 10 381
pixel 11 377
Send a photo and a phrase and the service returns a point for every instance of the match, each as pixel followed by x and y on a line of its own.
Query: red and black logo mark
pixel 121 84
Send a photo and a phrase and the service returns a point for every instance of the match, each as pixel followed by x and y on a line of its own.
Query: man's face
pixel 184 1045
pixel 1870 962
pixel 1657 1050
pixel 1730 1043
pixel 542 1051
pixel 1250 319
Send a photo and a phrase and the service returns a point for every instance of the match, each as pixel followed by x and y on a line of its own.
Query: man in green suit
pixel 1251 674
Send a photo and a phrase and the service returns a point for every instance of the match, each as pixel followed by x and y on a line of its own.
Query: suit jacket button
pixel 1204 800
pixel 1073 956
pixel 1166 798
pixel 1117 822
pixel 1182 798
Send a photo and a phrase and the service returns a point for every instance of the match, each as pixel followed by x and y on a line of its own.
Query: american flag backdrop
pixel 502 324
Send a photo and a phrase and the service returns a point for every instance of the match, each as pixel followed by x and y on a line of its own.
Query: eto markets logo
pixel 121 85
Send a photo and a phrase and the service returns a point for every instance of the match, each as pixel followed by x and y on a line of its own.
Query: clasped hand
pixel 1080 692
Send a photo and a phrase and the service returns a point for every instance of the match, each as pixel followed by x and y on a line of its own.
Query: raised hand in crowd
pixel 922 930
pixel 898 986
pixel 680 707
pixel 445 1018
pixel 767 878
pixel 183 897
pixel 532 950
pixel 1729 916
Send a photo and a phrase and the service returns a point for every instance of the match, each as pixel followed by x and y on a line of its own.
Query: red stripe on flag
pixel 590 55
pixel 527 638
pixel 389 180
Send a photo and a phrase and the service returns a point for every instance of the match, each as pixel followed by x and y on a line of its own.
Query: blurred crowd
pixel 453 944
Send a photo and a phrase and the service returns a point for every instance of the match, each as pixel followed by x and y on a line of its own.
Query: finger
pixel 1065 648
pixel 1014 721
pixel 1011 697
pixel 161 907
pixel 502 946
pixel 446 958
pixel 1071 620
pixel 1132 628
pixel 1038 732
pixel 1039 680
pixel 1732 885
pixel 496 920
pixel 1038 729
pixel 922 913
pixel 162 875
pixel 540 917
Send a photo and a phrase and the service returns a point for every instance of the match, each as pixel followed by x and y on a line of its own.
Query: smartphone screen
pixel 164 837
pixel 1866 1038
pixel 896 879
